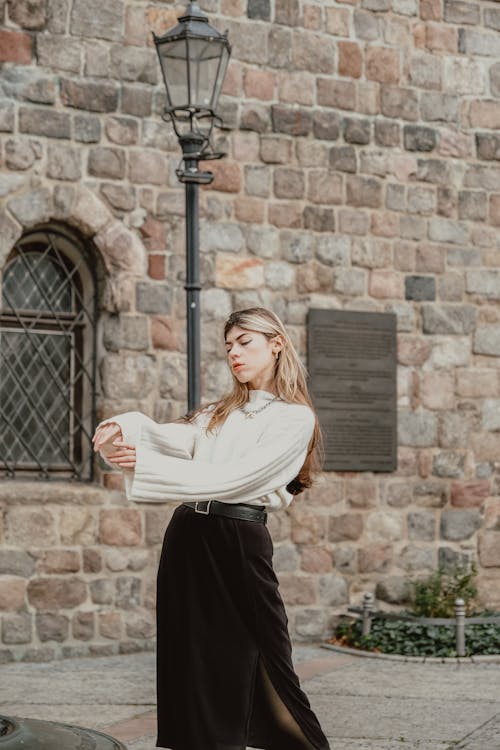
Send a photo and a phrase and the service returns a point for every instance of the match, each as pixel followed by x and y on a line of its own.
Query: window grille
pixel 47 357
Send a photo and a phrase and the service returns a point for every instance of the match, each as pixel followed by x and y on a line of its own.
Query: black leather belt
pixel 232 510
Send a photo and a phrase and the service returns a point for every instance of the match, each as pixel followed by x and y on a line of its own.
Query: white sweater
pixel 242 461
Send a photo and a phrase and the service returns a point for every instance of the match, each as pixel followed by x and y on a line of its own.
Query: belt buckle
pixel 204 512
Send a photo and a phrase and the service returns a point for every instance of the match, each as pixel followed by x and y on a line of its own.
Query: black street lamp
pixel 193 58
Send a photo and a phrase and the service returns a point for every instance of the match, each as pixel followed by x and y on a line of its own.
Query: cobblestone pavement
pixel 362 704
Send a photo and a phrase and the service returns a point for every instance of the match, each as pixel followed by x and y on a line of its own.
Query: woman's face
pixel 251 355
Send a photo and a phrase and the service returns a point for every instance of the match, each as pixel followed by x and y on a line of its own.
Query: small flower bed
pixel 417 639
pixel 433 597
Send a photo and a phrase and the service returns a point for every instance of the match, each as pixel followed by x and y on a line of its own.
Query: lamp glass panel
pixel 173 59
pixel 204 58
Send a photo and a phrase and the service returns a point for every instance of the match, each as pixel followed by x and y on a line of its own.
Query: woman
pixel 225 677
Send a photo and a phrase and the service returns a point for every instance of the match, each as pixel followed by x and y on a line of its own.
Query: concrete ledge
pixel 478 659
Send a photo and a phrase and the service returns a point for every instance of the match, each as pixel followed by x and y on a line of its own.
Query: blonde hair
pixel 290 380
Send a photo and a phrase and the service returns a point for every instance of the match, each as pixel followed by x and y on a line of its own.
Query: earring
pixel 277 355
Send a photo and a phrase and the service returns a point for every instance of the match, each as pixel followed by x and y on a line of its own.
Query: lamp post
pixel 193 58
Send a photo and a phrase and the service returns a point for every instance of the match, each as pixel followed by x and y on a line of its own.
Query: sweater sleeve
pixel 269 466
pixel 173 438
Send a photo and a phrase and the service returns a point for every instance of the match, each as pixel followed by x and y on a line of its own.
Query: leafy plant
pixel 435 596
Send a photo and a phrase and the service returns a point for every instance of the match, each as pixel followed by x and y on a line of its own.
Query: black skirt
pixel 225 678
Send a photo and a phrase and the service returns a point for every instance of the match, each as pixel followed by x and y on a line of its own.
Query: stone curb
pixel 480 658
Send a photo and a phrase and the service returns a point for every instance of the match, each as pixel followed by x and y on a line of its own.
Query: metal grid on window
pixel 47 358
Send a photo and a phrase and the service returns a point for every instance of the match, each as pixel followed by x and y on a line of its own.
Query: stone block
pixel 472 204
pixel 453 319
pixel 58 53
pixel 399 103
pixel 459 11
pixel 225 237
pixel 314 277
pixel 494 210
pixel 488 146
pixel 147 167
pixel 343 158
pixel 363 191
pixel 238 273
pixel 489 549
pixel 487 340
pixel 435 106
pixel 262 241
pixel 420 288
pixel 52 627
pixel 319 219
pixel 469 494
pixel 64 163
pixel 136 99
pixel 86 129
pixel 274 150
pixel 92 561
pixel 357 131
pixel 313 52
pixel 28 527
pixel 110 625
pixel 296 247
pixel 324 186
pixel 315 559
pixel 95 96
pixel 134 64
pixel 385 284
pixel 448 464
pixel 422 526
pixel 490 414
pixel 333 590
pixel 335 93
pixel 121 527
pixel 383 527
pixel 483 282
pixel 279 276
pixel 12 594
pixel 56 593
pixel 311 153
pixel 40 121
pixel 16 628
pixel 32 207
pixel 387 133
pixel 288 183
pixel 105 162
pixel 127 375
pixel 333 250
pixel 366 25
pixel 382 64
pixel 121 249
pixel 373 558
pixel 393 590
pixel 350 59
pixel 60 561
pixel 260 9
pixel 296 122
pixel 94 19
pixel 418 138
pixel 297 589
pixel 128 592
pixel 417 429
pixel 285 215
pixel 326 125
pixel 123 130
pixel 82 626
pixel 463 76
pixel 30 85
pixel 126 332
pixel 15 47
pixel 348 526
pixel 457 525
pixel 350 281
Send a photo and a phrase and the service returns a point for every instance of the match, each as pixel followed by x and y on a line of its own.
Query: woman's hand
pixel 106 434
pixel 124 456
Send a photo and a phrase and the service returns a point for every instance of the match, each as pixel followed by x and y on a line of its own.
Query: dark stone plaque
pixel 352 380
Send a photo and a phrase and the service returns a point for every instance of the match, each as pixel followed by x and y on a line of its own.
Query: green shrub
pixel 435 596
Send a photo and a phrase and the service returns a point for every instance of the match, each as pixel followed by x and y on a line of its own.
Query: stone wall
pixel 362 173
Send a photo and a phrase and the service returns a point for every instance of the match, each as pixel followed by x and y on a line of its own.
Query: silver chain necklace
pixel 251 414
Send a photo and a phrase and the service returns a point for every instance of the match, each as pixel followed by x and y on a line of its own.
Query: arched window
pixel 47 357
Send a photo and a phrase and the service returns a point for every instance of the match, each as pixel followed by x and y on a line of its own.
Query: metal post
pixel 460 626
pixel 191 145
pixel 368 607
